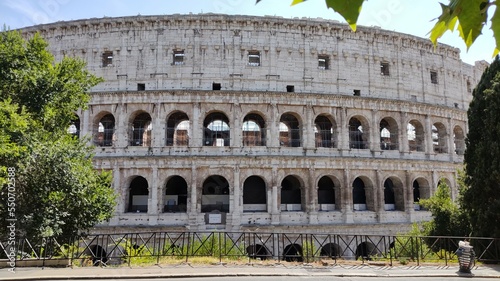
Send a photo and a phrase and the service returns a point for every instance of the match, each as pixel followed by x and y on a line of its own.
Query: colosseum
pixel 239 123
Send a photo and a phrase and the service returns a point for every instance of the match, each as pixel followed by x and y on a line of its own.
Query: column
pixel 121 137
pixel 312 206
pixel 308 129
pixel 274 123
pixel 429 147
pixel 236 202
pixel 347 202
pixel 196 127
pixel 374 137
pixel 409 209
pixel 236 128
pixel 120 206
pixel 153 202
pixel 403 133
pixel 158 133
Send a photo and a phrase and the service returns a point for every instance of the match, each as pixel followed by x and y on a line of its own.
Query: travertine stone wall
pixel 390 73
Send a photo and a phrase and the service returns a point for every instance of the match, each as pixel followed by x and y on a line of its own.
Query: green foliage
pixel 56 190
pixel 447 218
pixel 482 157
pixel 471 16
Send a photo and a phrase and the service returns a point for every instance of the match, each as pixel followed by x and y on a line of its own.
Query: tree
pixel 466 16
pixel 482 158
pixel 448 219
pixel 48 184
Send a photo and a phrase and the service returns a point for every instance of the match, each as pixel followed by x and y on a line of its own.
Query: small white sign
pixel 215 218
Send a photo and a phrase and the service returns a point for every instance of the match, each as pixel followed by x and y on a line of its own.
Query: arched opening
pixel 358 134
pixel 324 132
pixel 74 127
pixel 389 134
pixel 215 195
pixel 326 194
pixel 439 141
pixel 177 129
pixel 138 195
pixel 141 130
pixel 98 254
pixel 254 130
pixel 293 253
pixel 331 250
pixel 291 197
pixel 389 198
pixel 421 190
pixel 365 251
pixel 175 199
pixel 289 131
pixel 416 136
pixel 216 130
pixel 258 251
pixel 358 195
pixel 459 140
pixel 254 195
pixel 105 131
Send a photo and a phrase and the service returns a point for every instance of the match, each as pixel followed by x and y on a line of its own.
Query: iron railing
pixel 303 247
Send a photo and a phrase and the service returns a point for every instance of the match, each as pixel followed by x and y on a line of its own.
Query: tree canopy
pixel 482 157
pixel 466 16
pixel 54 187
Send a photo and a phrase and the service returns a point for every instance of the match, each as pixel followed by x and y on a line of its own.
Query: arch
pixel 216 130
pixel 254 195
pixel 389 136
pixel 365 250
pixel 293 253
pixel 258 251
pixel 140 130
pixel 215 194
pixel 358 133
pixel 393 194
pixel 254 130
pixel 74 126
pixel 138 195
pixel 291 195
pixel 416 136
pixel 98 254
pixel 439 139
pixel 421 190
pixel 459 140
pixel 359 195
pixel 326 194
pixel 324 132
pixel 289 131
pixel 389 198
pixel 331 250
pixel 176 194
pixel 177 133
pixel 104 130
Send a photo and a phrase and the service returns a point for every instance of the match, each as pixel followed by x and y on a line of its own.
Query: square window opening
pixel 384 69
pixel 323 62
pixel 469 88
pixel 357 93
pixel 254 58
pixel 107 58
pixel 434 77
pixel 216 86
pixel 290 88
pixel 141 87
pixel 178 57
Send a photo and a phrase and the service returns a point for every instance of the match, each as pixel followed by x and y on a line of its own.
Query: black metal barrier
pixel 105 249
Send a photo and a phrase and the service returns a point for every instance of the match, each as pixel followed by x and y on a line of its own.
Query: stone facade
pixel 240 122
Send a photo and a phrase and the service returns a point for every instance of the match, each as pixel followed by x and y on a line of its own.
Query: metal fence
pixel 105 249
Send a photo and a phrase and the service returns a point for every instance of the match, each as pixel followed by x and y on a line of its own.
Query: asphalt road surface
pixel 303 278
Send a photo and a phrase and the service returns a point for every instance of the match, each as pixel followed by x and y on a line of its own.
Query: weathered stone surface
pixel 160 66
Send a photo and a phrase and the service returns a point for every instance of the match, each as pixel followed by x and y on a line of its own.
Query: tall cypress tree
pixel 481 198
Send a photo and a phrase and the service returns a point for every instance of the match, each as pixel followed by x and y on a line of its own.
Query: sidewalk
pixel 187 270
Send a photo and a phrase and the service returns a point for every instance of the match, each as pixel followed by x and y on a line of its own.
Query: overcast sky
pixel 406 16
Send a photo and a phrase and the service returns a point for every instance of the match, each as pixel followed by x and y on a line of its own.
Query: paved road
pixel 302 278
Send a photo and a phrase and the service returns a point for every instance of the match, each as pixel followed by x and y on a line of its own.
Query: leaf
pixel 470 14
pixel 295 2
pixel 349 9
pixel 495 27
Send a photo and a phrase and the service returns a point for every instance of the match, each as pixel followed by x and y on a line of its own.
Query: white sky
pixel 406 16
